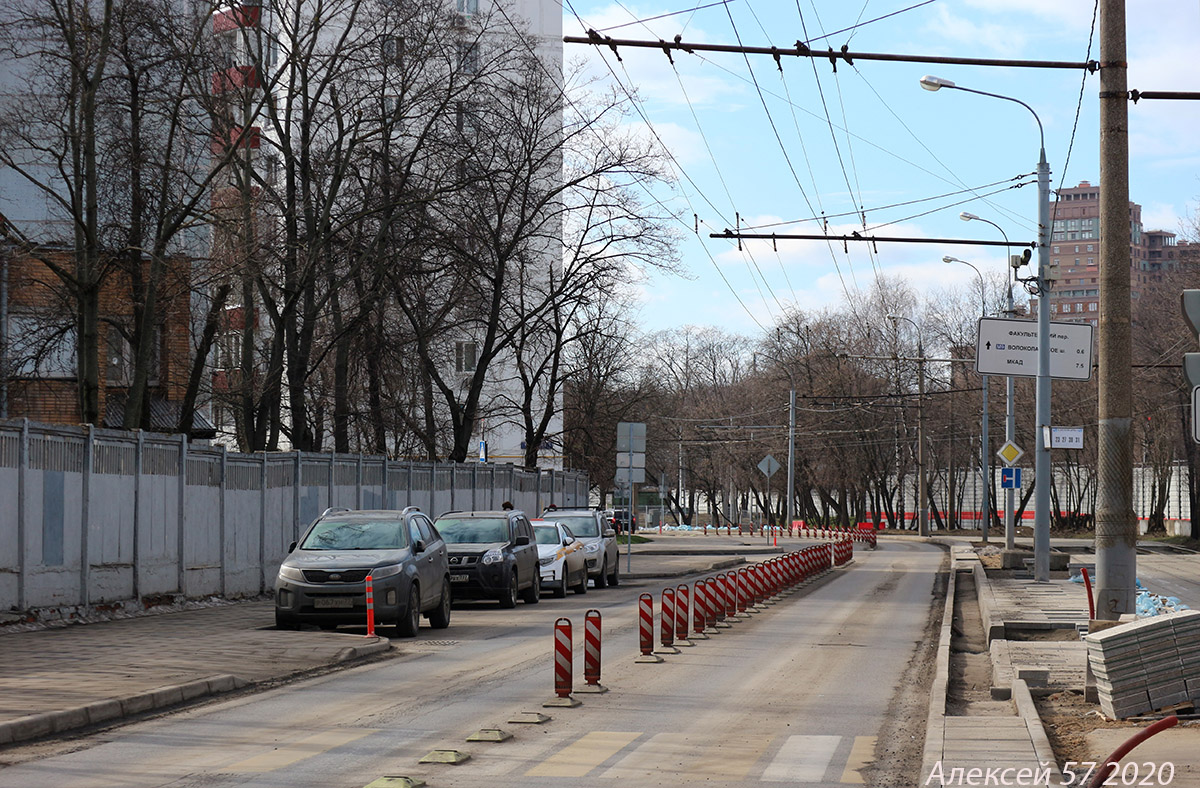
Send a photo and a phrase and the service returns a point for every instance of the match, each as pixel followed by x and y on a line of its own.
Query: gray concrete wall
pixel 89 516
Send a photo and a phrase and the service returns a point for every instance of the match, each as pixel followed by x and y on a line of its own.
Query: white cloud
pixel 1160 216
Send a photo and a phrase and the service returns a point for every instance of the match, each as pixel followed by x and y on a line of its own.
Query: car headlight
pixel 493 556
pixel 291 573
pixel 592 547
pixel 380 572
pixel 547 561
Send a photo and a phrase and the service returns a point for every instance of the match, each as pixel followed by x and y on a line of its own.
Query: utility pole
pixel 1116 523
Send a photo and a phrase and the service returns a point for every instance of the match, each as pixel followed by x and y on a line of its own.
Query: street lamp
pixel 1010 416
pixel 984 454
pixel 1041 523
pixel 922 494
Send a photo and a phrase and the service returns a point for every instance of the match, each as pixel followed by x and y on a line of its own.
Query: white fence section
pixel 89 516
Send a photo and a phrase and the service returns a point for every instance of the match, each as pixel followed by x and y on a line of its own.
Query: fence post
pixel 358 480
pixel 85 560
pixel 138 468
pixel 182 518
pixel 223 488
pixel 22 547
pixel 296 498
pixel 387 481
pixel 262 530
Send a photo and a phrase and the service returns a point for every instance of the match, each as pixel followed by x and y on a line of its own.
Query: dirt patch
pixel 901 743
pixel 969 691
pixel 1068 719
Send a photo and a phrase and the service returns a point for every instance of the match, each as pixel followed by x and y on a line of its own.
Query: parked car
pixel 492 555
pixel 621 518
pixel 323 579
pixel 599 544
pixel 561 561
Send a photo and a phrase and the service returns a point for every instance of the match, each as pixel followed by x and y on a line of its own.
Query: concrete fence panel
pixel 92 516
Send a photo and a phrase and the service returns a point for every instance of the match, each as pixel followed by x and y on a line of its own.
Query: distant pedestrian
pixel 506 506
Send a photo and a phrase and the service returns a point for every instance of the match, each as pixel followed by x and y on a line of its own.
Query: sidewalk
pixel 61 677
pixel 1029 632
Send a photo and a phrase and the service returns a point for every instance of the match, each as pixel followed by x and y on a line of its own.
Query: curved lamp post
pixel 1041 523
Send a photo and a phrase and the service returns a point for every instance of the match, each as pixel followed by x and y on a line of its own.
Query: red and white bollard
pixel 719 586
pixel 646 629
pixel 710 607
pixel 728 594
pixel 699 616
pixel 370 607
pixel 591 652
pixel 667 623
pixel 682 597
pixel 564 649
pixel 743 591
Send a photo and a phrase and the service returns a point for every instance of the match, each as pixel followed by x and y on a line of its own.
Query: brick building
pixel 39 342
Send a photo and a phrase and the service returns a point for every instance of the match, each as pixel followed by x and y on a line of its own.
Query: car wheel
pixel 614 579
pixel 439 617
pixel 602 578
pixel 410 622
pixel 284 622
pixel 508 598
pixel 560 590
pixel 533 594
pixel 581 588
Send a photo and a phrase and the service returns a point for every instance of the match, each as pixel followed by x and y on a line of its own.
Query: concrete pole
pixel 1042 472
pixel 1116 523
pixel 1010 429
pixel 922 491
pixel 791 471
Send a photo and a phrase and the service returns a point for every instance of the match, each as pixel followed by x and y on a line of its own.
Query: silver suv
pixel 599 544
pixel 323 579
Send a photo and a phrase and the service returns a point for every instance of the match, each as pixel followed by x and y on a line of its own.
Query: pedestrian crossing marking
pixel 802 759
pixel 294 752
pixel 862 754
pixel 689 753
pixel 584 754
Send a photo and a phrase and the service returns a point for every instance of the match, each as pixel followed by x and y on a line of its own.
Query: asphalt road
pixel 798 693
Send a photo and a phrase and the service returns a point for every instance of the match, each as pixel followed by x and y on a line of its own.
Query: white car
pixel 561 561
pixel 599 545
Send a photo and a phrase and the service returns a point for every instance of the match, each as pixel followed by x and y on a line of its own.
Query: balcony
pixel 235 77
pixel 236 16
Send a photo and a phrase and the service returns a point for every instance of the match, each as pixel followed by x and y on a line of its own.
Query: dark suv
pixel 493 555
pixel 323 579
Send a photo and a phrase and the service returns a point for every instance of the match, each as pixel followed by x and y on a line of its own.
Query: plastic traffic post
pixel 682 598
pixel 667 618
pixel 370 607
pixel 591 648
pixel 646 624
pixel 563 653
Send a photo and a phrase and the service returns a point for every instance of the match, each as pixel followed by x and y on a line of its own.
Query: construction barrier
pixel 867 537
pixel 667 618
pixel 563 653
pixel 646 628
pixel 710 604
pixel 742 589
pixel 682 597
pixel 591 648
pixel 699 616
pixel 370 607
pixel 729 589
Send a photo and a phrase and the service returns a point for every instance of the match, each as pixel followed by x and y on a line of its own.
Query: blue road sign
pixel 1010 478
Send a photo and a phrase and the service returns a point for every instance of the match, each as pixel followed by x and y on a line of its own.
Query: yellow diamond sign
pixel 1010 452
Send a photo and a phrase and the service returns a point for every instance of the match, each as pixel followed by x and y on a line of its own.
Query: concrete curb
pixel 993 624
pixel 1037 732
pixel 935 725
pixel 35 726
pixel 715 566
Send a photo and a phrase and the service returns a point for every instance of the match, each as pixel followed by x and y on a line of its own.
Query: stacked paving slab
pixel 1147 664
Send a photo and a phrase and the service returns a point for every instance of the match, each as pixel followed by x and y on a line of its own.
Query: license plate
pixel 333 601
pixel 459 578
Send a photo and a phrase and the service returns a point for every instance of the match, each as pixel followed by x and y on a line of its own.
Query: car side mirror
pixel 522 540
pixel 609 533
pixel 419 546
pixel 291 547
pixel 568 540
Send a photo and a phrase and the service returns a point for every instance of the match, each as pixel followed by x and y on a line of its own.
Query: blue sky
pixel 870 137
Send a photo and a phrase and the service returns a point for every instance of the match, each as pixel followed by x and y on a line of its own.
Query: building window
pixel 465 356
pixel 468 7
pixel 1056 250
pixel 1066 307
pixel 1092 307
pixel 1079 307
pixel 393 48
pixel 1091 247
pixel 468 57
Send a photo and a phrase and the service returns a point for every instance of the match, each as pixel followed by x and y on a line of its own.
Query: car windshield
pixel 580 525
pixel 356 534
pixel 545 534
pixel 473 530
